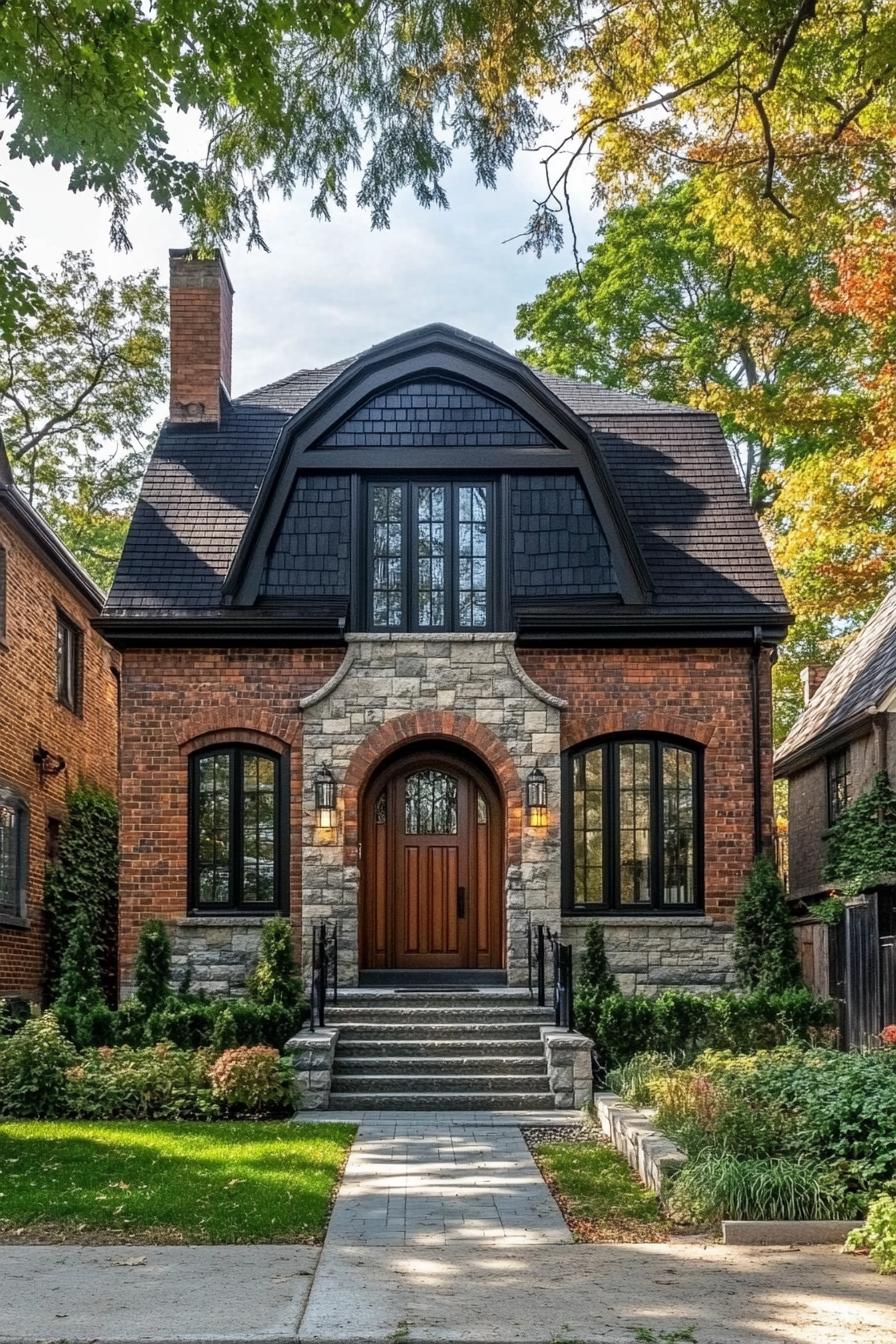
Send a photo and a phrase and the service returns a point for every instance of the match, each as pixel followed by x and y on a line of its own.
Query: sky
pixel 327 290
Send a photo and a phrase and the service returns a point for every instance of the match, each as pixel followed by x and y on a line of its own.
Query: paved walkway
pixel 411 1185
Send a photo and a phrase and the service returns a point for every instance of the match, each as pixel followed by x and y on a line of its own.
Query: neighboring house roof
pixel 854 689
pixel 45 540
pixel 669 466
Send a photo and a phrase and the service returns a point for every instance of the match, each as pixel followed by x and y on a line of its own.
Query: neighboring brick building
pixel 58 719
pixel 432 645
pixel 844 736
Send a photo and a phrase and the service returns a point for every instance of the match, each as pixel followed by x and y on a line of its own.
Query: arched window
pixel 13 854
pixel 633 826
pixel 237 831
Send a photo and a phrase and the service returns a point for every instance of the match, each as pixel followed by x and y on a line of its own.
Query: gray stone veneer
pixel 649 955
pixel 385 676
pixel 219 952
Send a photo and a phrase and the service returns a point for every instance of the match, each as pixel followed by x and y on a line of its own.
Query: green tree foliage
pixel 595 981
pixel 78 382
pixel 861 844
pixel 275 979
pixel 764 949
pixel 80 1006
pixel 152 966
pixel 83 885
pixel 665 307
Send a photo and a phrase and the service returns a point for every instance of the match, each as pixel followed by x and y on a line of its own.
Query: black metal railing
pixel 324 964
pixel 541 944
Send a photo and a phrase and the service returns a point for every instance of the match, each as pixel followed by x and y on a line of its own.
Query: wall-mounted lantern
pixel 325 799
pixel 537 798
pixel 47 762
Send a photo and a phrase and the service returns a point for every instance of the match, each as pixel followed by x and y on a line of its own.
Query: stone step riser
pixel 419 1047
pixel 442 1101
pixel 352 1013
pixel 434 1082
pixel 447 1066
pixel 371 1031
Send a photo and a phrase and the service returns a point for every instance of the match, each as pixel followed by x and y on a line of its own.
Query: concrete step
pixel 541 1100
pixel 445 1031
pixel 457 1048
pixel 433 1081
pixel 347 1065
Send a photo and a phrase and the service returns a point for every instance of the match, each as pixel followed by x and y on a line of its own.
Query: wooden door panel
pixel 423 846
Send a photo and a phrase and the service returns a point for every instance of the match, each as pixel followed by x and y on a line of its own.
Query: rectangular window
pixel 69 654
pixel 235 830
pixel 13 854
pixel 838 784
pixel 387 531
pixel 429 556
pixel 632 827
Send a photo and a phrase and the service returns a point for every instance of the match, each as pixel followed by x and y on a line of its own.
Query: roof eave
pixel 51 548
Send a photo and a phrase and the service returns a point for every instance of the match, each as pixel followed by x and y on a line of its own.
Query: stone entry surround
pixel 396 688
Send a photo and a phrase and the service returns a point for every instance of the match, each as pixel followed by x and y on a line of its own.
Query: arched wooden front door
pixel 431 858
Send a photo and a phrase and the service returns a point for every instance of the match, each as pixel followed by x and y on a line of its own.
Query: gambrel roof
pixel 663 483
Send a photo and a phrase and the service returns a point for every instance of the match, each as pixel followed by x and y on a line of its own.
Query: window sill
pixel 14 921
pixel 630 921
pixel 228 921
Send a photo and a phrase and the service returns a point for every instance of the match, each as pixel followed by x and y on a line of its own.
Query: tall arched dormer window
pixel 13 855
pixel 633 826
pixel 237 831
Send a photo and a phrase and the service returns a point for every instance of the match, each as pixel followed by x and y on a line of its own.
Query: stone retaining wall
pixel 313 1053
pixel 649 1153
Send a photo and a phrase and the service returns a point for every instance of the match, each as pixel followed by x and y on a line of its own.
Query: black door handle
pixel 461 902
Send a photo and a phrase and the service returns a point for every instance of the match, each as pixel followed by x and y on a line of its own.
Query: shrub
pixel 888 1036
pixel 85 882
pixel 679 1021
pixel 155 1083
pixel 33 1066
pixel 595 980
pixel 625 1026
pixel 861 844
pixel 713 1187
pixel 878 1236
pixel 80 1008
pixel 764 948
pixel 633 1079
pixel 185 1021
pixel 253 1080
pixel 152 967
pixel 275 979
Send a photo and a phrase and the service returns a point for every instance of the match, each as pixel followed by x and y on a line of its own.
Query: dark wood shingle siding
pixel 434 415
pixel 312 553
pixel 556 543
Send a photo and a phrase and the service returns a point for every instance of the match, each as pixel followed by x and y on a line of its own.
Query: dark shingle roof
pixel 670 464
pixel 863 676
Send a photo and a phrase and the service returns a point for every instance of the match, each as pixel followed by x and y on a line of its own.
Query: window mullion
pixel 236 830
pixel 656 825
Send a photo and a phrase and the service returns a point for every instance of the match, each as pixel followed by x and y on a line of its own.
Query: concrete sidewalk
pixel 154 1294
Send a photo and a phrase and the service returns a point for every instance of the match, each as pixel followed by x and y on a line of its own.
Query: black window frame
pixel 70 697
pixel 611 905
pixel 837 771
pixel 15 912
pixel 410 487
pixel 235 751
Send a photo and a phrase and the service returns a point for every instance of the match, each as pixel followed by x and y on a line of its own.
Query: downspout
pixel 755 654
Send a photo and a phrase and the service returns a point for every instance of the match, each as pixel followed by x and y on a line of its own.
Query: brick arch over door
pixel 433 725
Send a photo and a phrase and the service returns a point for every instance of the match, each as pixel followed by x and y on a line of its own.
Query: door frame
pixel 376 946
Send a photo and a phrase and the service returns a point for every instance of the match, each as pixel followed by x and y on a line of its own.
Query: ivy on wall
pixel 861 844
pixel 83 884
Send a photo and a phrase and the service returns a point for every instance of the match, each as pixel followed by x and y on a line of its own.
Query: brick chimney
pixel 811 678
pixel 201 325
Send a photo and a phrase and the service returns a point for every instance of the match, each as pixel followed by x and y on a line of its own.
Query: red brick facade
pixel 201 323
pixel 30 714
pixel 703 695
pixel 174 701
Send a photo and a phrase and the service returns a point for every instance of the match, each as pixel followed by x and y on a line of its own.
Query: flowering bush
pixel 888 1035
pixel 252 1079
pixel 159 1082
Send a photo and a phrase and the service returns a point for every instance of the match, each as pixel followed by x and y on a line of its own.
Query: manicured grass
pixel 161 1181
pixel 600 1198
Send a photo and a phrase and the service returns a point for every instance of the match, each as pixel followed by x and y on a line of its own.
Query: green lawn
pixel 599 1196
pixel 163 1181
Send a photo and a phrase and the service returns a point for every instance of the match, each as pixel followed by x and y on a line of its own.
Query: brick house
pixel 58 719
pixel 844 736
pixel 431 645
